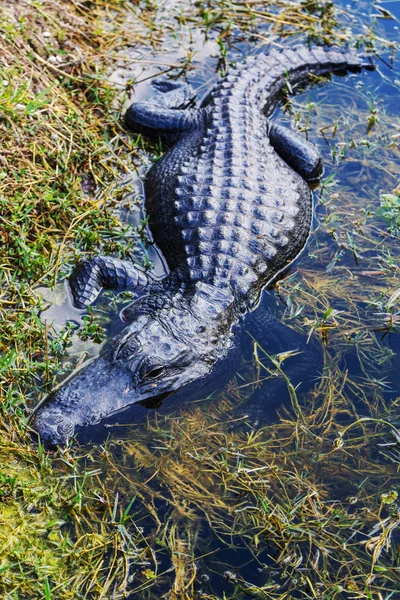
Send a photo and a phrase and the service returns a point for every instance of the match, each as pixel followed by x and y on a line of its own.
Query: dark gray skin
pixel 230 208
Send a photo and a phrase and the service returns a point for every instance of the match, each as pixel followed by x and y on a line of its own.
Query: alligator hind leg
pixel 299 154
pixel 165 115
pixel 103 272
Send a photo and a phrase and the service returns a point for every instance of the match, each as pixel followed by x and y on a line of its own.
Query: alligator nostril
pixel 53 428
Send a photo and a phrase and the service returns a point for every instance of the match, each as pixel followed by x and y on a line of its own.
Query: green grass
pixel 312 497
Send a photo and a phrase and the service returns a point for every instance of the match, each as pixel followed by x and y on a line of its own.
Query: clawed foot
pixel 176 95
pixel 103 272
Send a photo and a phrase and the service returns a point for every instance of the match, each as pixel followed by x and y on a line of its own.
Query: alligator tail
pixel 294 66
pixel 266 75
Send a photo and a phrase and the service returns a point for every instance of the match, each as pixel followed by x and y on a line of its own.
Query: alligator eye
pixel 154 373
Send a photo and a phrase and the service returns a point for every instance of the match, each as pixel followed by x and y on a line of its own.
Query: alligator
pixel 230 207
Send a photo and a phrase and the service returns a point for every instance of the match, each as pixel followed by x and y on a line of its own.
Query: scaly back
pixel 240 213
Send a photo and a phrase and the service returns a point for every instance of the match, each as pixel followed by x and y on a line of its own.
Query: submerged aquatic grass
pixel 193 505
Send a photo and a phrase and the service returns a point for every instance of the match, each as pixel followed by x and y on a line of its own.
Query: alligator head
pixel 161 351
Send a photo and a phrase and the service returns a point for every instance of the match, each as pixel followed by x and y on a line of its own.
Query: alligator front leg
pixel 103 272
pixel 167 114
pixel 302 156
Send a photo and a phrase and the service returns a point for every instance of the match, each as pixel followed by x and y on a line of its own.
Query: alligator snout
pixel 54 428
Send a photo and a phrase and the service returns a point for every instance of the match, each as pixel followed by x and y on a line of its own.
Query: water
pixel 341 293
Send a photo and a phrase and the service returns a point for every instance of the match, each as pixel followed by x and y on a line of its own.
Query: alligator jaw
pixel 96 390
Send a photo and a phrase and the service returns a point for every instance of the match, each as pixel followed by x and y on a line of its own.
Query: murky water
pixel 341 292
